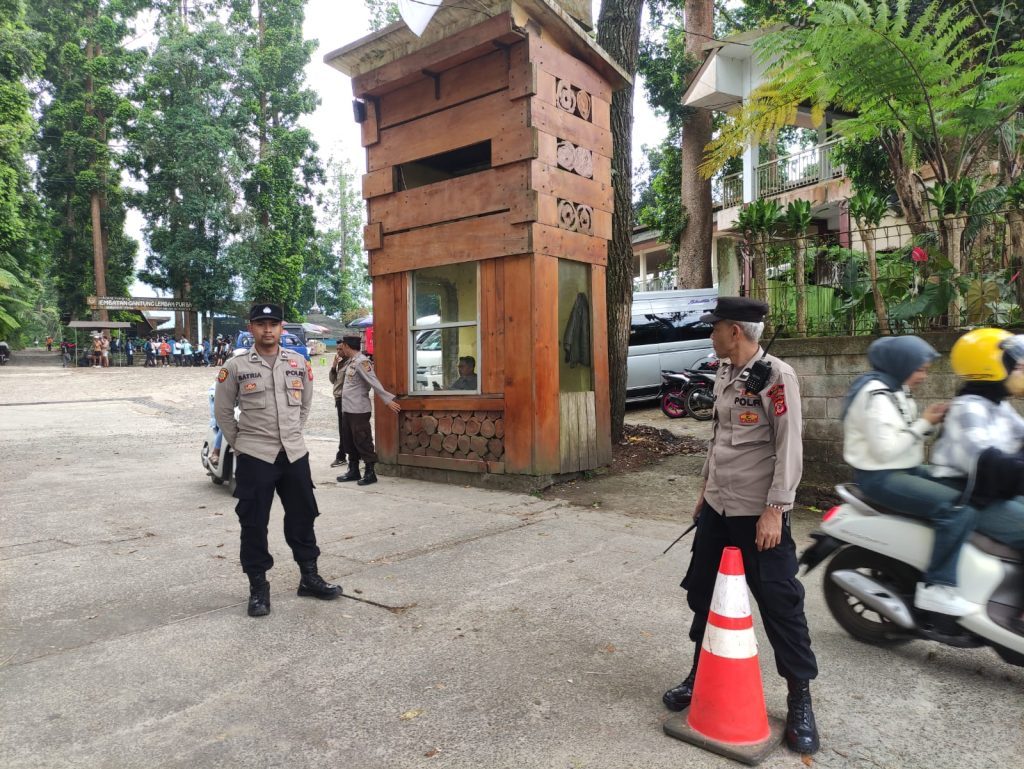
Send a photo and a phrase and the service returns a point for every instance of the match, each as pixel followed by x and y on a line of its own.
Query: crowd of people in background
pixel 158 351
pixel 168 351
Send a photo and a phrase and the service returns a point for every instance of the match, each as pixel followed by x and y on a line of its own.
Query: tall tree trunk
pixel 618 32
pixel 98 262
pixel 951 229
pixel 800 278
pixel 868 237
pixel 694 261
pixel 906 184
pixel 1015 249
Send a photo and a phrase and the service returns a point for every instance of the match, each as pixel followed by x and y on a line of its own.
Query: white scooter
pixel 878 557
pixel 223 471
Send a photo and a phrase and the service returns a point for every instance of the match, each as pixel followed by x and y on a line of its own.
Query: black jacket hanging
pixel 576 340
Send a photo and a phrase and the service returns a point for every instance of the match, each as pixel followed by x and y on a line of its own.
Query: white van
pixel 666 333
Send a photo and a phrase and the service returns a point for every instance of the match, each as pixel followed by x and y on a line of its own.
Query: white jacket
pixel 882 430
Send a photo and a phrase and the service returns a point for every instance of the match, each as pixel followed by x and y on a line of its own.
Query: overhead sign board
pixel 138 303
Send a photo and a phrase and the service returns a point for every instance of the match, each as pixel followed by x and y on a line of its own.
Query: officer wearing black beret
pixel 273 389
pixel 753 468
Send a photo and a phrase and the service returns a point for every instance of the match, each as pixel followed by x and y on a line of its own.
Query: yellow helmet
pixel 978 355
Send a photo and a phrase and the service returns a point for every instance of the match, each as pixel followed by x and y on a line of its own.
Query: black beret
pixel 738 308
pixel 266 312
pixel 354 342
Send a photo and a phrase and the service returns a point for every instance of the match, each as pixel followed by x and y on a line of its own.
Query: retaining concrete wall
pixel 826 366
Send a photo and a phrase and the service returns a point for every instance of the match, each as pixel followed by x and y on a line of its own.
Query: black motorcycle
pixel 690 392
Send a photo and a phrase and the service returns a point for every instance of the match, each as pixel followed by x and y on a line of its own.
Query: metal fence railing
pixel 917 289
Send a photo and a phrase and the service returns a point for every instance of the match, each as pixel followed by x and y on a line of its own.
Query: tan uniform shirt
pixel 337 376
pixel 273 403
pixel 359 378
pixel 756 452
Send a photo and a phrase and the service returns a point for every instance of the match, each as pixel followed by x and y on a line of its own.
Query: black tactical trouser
pixel 771 577
pixel 255 483
pixel 357 437
pixel 340 457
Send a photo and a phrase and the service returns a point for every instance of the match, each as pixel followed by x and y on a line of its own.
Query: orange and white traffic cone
pixel 727 714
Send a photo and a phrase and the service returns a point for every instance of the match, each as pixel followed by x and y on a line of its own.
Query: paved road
pixel 484 629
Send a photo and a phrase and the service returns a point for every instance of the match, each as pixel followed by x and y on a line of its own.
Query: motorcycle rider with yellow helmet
pixel 980 448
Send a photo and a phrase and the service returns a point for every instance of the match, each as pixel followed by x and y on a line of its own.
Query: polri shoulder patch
pixel 222 375
pixel 309 371
pixel 367 366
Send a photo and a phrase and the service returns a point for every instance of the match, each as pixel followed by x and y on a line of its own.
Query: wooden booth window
pixel 444 166
pixel 445 329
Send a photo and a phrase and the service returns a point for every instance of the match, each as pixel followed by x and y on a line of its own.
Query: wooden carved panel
pixel 573 100
pixel 476 435
pixel 579 160
pixel 575 217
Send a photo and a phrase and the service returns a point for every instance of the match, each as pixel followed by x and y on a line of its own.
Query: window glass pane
pixel 574 375
pixel 446 359
pixel 445 294
pixel 646 329
pixel 686 327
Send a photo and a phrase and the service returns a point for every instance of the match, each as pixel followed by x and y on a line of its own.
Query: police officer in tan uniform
pixel 753 468
pixel 337 377
pixel 356 432
pixel 273 388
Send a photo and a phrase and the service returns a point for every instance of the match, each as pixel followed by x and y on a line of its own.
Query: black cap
pixel 354 342
pixel 266 312
pixel 738 308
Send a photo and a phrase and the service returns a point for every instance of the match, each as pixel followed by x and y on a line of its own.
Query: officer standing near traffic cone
pixel 751 474
pixel 273 388
pixel 356 432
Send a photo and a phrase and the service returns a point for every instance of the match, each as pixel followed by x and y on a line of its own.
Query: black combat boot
pixel 312 585
pixel 801 731
pixel 352 474
pixel 369 476
pixel 259 595
pixel 679 698
pixel 339 460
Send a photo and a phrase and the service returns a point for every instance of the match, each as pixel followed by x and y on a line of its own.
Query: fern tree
pixel 935 89
pixel 798 221
pixel 867 210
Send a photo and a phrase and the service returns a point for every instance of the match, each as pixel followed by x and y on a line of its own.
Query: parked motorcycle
pixel 690 392
pixel 223 471
pixel 877 559
pixel 672 396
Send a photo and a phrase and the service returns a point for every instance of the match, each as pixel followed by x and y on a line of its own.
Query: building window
pixel 445 329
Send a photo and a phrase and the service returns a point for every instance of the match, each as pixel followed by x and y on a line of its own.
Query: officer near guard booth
pixel 356 431
pixel 273 388
pixel 753 468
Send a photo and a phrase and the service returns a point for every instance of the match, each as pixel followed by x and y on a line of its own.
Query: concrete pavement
pixel 481 628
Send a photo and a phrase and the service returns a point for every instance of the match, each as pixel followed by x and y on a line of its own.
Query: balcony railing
pixel 781 175
pixel 798 170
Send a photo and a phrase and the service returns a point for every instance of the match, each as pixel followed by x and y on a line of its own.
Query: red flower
pixel 918 254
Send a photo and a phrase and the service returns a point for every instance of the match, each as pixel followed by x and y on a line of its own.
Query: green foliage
pixel 183 149
pixel 867 165
pixel 335 275
pixel 760 218
pixel 382 13
pixel 86 71
pixel 797 216
pixel 937 79
pixel 278 231
pixel 658 205
pixel 21 260
pixel 868 209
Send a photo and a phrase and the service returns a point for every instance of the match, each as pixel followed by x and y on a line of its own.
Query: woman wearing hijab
pixel 883 440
